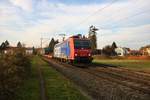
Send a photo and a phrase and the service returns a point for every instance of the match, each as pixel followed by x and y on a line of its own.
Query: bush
pixel 23 64
pixel 13 70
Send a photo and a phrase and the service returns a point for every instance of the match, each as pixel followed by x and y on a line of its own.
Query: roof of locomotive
pixel 74 37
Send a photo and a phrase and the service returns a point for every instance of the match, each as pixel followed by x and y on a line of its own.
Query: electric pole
pixel 63 36
pixel 46 39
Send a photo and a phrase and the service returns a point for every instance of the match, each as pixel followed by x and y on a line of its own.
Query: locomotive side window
pixel 78 44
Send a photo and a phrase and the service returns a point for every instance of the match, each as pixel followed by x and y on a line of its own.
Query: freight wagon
pixel 74 49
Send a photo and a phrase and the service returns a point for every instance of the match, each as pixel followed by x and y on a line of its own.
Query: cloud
pixel 31 18
pixel 133 37
pixel 23 4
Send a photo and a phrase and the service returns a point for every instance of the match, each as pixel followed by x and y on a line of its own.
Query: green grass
pixel 133 64
pixel 30 90
pixel 57 86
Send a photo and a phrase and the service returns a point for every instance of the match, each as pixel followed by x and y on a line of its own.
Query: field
pixel 141 65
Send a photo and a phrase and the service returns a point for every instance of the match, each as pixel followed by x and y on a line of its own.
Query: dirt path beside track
pixel 42 84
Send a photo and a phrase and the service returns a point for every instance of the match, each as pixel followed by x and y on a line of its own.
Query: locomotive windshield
pixel 82 44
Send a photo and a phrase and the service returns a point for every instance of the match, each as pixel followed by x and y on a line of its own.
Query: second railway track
pixel 123 77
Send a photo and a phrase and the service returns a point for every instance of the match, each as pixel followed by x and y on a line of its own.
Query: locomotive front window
pixel 82 44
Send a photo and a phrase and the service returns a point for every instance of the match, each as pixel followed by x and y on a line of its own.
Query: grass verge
pixel 57 86
pixel 132 64
pixel 30 90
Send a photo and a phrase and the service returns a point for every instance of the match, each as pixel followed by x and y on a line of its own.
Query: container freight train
pixel 74 49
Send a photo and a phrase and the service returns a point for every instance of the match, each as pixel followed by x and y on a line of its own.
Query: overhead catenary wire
pixel 99 10
pixel 118 11
pixel 128 17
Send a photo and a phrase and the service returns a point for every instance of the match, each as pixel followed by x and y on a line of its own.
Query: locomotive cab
pixel 82 50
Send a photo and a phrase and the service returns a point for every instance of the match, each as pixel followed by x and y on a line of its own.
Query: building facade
pixel 122 51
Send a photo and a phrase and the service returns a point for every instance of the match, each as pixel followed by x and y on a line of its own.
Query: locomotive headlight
pixel 76 54
pixel 89 54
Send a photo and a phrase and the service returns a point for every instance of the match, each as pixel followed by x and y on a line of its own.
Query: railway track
pixel 137 75
pixel 122 72
pixel 141 73
pixel 133 83
pixel 124 76
pixel 121 76
pixel 128 82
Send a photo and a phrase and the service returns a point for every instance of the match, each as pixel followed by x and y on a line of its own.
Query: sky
pixel 127 22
